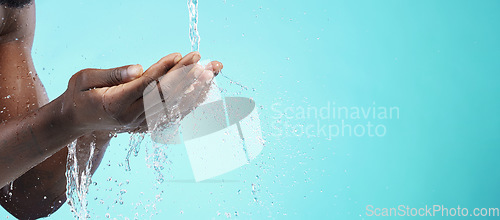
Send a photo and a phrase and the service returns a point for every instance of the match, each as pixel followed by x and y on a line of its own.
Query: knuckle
pixel 115 76
pixel 169 58
pixel 79 74
pixel 148 81
pixel 77 78
pixel 81 78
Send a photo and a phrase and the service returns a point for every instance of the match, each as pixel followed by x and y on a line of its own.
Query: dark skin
pixel 98 103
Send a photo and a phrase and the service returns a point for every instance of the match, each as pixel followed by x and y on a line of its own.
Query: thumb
pixel 97 78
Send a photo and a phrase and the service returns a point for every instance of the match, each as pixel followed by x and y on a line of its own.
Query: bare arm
pixel 34 133
pixel 41 190
pixel 91 103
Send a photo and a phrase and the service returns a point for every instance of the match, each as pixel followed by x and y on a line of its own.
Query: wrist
pixel 64 117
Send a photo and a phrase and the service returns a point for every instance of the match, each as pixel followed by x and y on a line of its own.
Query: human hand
pixel 112 99
pixel 173 96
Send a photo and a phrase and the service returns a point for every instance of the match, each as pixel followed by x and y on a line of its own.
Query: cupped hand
pixel 112 99
pixel 173 96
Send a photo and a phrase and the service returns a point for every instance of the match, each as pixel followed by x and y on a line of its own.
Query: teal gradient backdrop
pixel 437 62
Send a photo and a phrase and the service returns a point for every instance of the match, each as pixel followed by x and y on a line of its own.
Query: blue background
pixel 437 61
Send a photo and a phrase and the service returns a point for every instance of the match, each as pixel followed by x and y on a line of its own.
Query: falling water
pixel 157 160
pixel 77 182
pixel 135 146
pixel 194 36
pixel 158 157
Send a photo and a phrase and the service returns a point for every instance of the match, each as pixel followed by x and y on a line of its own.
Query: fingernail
pixel 133 71
pixel 177 58
pixel 218 66
pixel 196 57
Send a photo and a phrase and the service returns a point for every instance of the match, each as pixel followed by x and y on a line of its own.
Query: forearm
pixel 25 142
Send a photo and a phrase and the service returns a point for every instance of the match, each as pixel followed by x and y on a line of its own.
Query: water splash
pixel 194 36
pixel 157 160
pixel 78 182
pixel 232 81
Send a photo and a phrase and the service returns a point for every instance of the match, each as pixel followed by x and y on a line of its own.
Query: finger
pixel 203 95
pixel 97 78
pixel 190 58
pixel 200 89
pixel 200 97
pixel 180 76
pixel 189 103
pixel 159 111
pixel 214 66
pixel 172 86
pixel 134 90
pixel 211 71
pixel 175 83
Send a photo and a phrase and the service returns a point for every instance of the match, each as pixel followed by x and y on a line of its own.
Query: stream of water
pixel 78 181
pixel 194 35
